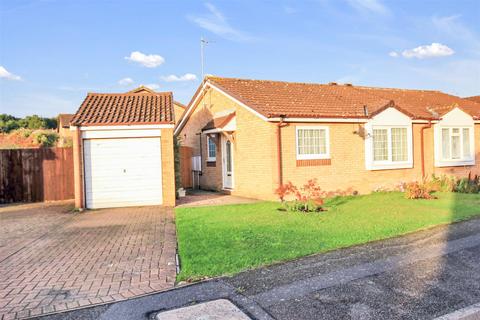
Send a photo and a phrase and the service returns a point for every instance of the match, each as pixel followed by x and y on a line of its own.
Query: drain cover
pixel 213 310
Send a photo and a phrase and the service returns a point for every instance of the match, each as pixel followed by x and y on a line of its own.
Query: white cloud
pixel 373 6
pixel 429 51
pixel 152 86
pixel 8 75
pixel 393 54
pixel 146 60
pixel 125 81
pixel 175 78
pixel 216 23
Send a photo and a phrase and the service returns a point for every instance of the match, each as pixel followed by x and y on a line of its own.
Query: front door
pixel 227 161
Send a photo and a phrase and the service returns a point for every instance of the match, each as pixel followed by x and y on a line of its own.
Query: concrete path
pixel 201 198
pixel 424 275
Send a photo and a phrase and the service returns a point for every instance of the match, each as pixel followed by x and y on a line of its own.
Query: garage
pixel 123 150
pixel 122 172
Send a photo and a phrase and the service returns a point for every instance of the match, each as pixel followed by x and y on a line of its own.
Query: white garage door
pixel 122 172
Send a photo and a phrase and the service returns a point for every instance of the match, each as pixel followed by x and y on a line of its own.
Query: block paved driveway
pixel 53 260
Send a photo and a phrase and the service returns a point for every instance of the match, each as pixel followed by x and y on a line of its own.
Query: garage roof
pixel 139 106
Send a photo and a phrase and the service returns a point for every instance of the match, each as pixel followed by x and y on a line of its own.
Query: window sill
pixel 389 166
pixel 441 164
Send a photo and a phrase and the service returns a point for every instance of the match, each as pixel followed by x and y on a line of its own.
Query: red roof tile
pixel 139 106
pixel 474 98
pixel 308 100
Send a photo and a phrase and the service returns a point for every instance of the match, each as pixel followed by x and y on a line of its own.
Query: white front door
pixel 122 172
pixel 227 163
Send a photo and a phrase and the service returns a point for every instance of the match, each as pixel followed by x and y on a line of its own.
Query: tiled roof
pixel 307 100
pixel 220 122
pixel 474 98
pixel 139 106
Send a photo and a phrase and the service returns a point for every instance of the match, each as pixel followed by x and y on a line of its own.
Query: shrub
pixel 418 190
pixel 442 183
pixel 468 185
pixel 308 198
pixel 45 139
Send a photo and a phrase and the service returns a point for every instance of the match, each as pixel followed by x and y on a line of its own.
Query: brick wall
pixel 253 154
pixel 168 170
pixel 347 168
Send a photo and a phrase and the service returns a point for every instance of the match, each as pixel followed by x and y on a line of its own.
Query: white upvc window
pixel 211 149
pixel 454 140
pixel 456 144
pixel 390 145
pixel 312 142
pixel 389 141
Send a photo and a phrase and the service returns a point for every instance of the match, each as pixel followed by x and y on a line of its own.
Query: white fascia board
pixel 212 131
pixel 107 134
pixel 319 120
pixel 127 127
pixel 336 120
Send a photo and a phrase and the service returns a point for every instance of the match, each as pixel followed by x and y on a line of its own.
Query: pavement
pixel 424 275
pixel 52 259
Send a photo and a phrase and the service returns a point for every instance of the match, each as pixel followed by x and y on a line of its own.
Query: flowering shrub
pixel 308 198
pixel 418 190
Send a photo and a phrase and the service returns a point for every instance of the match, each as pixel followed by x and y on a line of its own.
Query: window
pixel 456 144
pixel 313 143
pixel 390 144
pixel 211 149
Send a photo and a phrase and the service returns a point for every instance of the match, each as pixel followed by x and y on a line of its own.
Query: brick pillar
pixel 168 167
pixel 78 168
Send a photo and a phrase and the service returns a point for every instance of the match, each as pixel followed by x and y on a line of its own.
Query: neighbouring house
pixel 178 109
pixel 250 136
pixel 123 149
pixel 63 126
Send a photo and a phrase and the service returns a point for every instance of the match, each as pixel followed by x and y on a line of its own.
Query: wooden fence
pixel 30 175
pixel 186 166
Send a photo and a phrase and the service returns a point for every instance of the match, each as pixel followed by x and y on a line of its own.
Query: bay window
pixel 455 143
pixel 390 144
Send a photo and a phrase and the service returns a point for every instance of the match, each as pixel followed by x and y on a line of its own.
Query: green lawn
pixel 227 239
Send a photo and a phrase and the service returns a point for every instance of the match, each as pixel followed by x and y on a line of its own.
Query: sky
pixel 53 52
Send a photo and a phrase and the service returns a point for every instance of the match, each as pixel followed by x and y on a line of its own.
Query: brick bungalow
pixel 253 135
